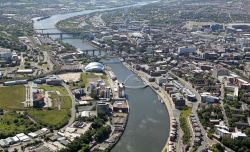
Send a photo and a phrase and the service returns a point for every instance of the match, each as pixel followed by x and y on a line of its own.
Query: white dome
pixel 94 67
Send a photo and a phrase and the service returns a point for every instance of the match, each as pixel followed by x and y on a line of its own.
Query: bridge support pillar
pixel 61 36
pixel 100 53
pixel 93 52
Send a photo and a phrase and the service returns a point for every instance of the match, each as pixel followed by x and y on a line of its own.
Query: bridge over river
pixel 63 35
pixel 147 128
pixel 132 86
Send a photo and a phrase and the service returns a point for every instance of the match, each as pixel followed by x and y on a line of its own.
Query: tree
pixel 85 148
pixel 102 133
pixel 1 111
pixel 247 131
pixel 218 148
pixel 15 150
pixel 97 123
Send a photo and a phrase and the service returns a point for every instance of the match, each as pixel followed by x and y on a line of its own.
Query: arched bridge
pixel 133 87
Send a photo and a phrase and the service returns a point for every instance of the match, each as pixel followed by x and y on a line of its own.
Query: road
pixel 222 105
pixel 206 141
pixel 73 109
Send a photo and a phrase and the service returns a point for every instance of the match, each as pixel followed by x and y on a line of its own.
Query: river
pixel 148 124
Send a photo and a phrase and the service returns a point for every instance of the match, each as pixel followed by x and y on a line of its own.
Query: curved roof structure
pixel 94 67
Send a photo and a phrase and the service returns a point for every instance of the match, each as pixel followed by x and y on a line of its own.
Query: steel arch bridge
pixel 133 87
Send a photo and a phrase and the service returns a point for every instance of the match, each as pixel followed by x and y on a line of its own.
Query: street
pixel 73 109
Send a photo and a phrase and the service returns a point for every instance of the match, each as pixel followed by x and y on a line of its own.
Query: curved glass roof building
pixel 94 67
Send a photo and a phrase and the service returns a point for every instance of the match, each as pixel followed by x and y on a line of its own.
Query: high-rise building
pixel 92 88
pixel 106 93
pixel 121 90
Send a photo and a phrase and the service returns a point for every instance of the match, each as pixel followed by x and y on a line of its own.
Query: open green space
pixel 62 90
pixel 12 97
pixel 54 119
pixel 13 123
pixel 86 76
pixel 98 131
pixel 67 103
pixel 184 124
pixel 64 101
pixel 210 112
pixel 104 77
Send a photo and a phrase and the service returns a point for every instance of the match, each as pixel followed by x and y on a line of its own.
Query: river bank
pixel 147 126
pixel 164 97
pixel 116 135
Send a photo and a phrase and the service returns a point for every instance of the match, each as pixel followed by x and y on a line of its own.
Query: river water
pixel 148 124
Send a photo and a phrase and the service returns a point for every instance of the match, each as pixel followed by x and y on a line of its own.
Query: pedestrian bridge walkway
pixel 131 86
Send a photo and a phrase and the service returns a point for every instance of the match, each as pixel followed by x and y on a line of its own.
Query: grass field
pixel 66 101
pixel 184 124
pixel 105 78
pixel 53 119
pixel 12 97
pixel 62 90
pixel 12 123
pixel 86 76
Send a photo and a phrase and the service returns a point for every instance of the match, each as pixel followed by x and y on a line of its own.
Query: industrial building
pixel 24 71
pixel 121 106
pixel 54 80
pixel 178 100
pixel 102 108
pixel 186 50
pixel 5 54
pixel 112 75
pixel 208 98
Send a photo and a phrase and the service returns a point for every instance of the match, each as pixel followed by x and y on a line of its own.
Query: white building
pixel 121 90
pixel 238 134
pixel 207 97
pixel 24 71
pixel 222 132
pixel 23 137
pixel 85 114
